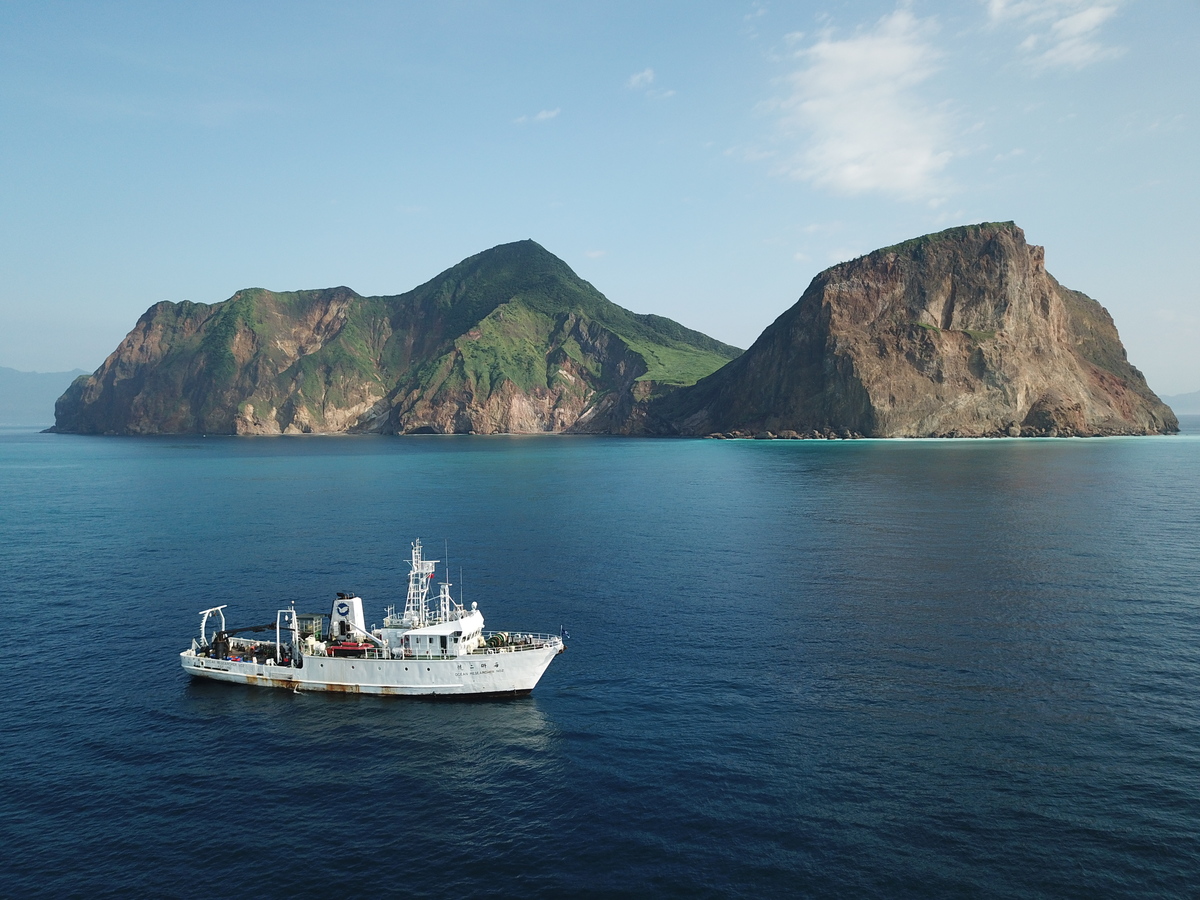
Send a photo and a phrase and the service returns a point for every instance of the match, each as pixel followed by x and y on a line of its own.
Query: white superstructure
pixel 441 650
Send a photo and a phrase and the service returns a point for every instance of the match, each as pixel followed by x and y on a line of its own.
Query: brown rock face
pixel 961 333
pixel 509 340
pixel 195 367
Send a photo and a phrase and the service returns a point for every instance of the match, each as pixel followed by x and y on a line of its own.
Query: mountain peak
pixel 957 333
pixel 518 258
pixel 508 340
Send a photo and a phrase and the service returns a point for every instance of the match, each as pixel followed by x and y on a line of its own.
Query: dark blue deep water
pixel 869 669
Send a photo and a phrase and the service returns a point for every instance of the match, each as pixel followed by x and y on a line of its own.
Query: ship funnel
pixel 347 616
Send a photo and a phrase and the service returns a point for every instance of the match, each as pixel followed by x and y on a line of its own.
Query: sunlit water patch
pixel 869 668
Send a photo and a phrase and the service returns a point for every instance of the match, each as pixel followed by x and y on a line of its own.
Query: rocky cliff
pixel 960 333
pixel 509 340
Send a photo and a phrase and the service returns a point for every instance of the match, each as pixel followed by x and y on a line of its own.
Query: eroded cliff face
pixel 961 333
pixel 508 341
pixel 583 379
pixel 200 368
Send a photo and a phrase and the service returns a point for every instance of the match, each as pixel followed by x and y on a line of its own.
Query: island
pixel 962 333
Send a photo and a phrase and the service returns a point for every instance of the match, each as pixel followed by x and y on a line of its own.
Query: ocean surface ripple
pixel 821 669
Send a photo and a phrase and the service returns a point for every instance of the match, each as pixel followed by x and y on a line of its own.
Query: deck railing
pixel 513 642
pixel 518 641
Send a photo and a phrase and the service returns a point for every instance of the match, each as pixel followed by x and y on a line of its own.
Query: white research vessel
pixel 438 651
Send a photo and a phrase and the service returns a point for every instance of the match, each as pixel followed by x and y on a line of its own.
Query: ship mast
pixel 445 601
pixel 421 571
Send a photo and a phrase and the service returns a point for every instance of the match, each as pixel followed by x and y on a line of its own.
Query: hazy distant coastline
pixel 1184 404
pixel 27 398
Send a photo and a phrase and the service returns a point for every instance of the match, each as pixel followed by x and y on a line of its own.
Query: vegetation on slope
pixel 527 273
pixel 513 318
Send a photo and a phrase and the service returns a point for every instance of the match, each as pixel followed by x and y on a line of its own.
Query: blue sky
pixel 699 160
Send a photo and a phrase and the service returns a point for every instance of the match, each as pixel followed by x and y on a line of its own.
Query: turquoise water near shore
pixel 867 668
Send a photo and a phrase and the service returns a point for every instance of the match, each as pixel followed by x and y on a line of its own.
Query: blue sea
pixel 960 668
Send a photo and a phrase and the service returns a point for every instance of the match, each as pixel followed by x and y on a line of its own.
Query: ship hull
pixel 502 673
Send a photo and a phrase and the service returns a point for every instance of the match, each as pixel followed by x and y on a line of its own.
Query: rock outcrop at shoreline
pixel 957 334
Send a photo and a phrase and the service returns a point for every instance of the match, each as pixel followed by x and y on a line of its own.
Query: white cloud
pixel 1060 33
pixel 642 81
pixel 854 106
pixel 544 116
pixel 595 254
pixel 750 20
pixel 639 80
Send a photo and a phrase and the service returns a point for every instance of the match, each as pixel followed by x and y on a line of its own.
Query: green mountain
pixel 507 341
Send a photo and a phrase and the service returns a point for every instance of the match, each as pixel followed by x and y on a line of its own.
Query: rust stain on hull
pixel 340 688
pixel 249 680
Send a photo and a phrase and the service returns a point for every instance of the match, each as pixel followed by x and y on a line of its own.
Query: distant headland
pixel 962 333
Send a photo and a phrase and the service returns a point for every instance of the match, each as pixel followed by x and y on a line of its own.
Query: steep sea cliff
pixel 957 334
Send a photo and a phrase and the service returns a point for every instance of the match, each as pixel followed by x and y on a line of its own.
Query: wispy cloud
pixel 595 254
pixel 854 107
pixel 1058 33
pixel 644 81
pixel 544 116
pixel 750 20
pixel 639 80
